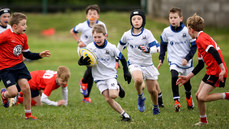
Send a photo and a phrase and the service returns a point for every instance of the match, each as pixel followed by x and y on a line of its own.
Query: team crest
pixel 184 35
pixel 17 50
pixel 107 52
pixel 144 37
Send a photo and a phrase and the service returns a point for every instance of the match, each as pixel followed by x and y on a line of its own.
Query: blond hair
pixel 63 72
pixel 16 18
pixel 99 28
pixel 195 22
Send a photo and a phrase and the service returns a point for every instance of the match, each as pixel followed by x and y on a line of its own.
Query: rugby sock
pixel 141 96
pixel 203 118
pixel 21 94
pixel 27 113
pixel 155 106
pixel 33 103
pixel 20 100
pixel 188 94
pixel 3 95
pixel 226 95
pixel 160 95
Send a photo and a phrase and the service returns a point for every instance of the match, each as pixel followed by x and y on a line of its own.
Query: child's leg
pixel 151 87
pixel 175 88
pixel 160 101
pixel 138 80
pixel 188 94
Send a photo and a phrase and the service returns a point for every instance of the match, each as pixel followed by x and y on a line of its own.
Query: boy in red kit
pixel 13 44
pixel 43 82
pixel 216 74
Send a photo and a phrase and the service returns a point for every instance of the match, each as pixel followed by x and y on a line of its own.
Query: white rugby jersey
pixel 105 68
pixel 132 42
pixel 3 29
pixel 178 46
pixel 86 31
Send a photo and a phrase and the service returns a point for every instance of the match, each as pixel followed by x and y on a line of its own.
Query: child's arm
pixel 163 49
pixel 127 75
pixel 190 54
pixel 65 95
pixel 76 37
pixel 35 56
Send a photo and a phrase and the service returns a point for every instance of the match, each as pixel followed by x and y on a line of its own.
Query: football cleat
pixel 126 117
pixel 177 106
pixel 141 104
pixel 156 111
pixel 30 117
pixel 86 99
pixel 83 88
pixel 200 123
pixel 4 100
pixel 121 91
pixel 190 103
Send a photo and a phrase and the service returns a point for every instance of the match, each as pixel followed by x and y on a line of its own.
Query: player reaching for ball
pixel 12 69
pixel 210 54
pixel 42 84
pixel 104 73
pixel 141 44
pixel 85 28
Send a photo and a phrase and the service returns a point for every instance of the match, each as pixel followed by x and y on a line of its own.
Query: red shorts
pixel 213 81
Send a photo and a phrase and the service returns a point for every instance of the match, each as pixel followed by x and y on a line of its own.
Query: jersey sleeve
pixel 77 28
pixel 151 40
pixel 3 37
pixel 164 39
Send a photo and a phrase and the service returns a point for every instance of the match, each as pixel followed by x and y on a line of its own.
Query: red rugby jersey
pixel 11 47
pixel 44 80
pixel 204 42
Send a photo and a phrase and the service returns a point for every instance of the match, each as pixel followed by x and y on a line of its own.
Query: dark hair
pixel 93 7
pixel 176 10
pixel 16 18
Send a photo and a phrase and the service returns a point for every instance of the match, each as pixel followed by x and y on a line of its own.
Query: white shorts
pixel 181 71
pixel 107 84
pixel 148 72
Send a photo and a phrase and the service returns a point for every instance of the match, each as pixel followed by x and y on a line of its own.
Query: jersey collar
pixel 101 47
pixel 137 34
pixel 88 23
pixel 177 29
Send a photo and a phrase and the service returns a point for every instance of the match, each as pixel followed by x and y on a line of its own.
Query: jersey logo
pixel 107 52
pixel 17 50
pixel 86 36
pixel 171 43
pixel 184 35
pixel 144 37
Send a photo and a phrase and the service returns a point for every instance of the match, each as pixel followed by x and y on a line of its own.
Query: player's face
pixel 137 21
pixel 190 32
pixel 5 18
pixel 99 38
pixel 175 19
pixel 21 27
pixel 61 82
pixel 92 15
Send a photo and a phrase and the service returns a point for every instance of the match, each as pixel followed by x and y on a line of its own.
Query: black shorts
pixel 213 81
pixel 10 76
pixel 34 93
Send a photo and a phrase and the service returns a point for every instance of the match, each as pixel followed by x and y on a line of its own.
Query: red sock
pixel 33 103
pixel 204 119
pixel 227 95
pixel 20 100
pixel 21 94
pixel 27 113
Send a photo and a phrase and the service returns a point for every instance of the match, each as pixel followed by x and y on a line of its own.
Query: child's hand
pixel 81 44
pixel 117 65
pixel 160 64
pixel 45 53
pixel 61 102
pixel 144 49
pixel 184 62
pixel 127 77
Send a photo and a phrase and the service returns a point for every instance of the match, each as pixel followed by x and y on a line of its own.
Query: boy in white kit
pixel 85 28
pixel 140 44
pixel 104 73
pixel 181 49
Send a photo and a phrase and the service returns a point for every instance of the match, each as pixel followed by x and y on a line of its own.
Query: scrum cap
pixel 138 12
pixel 4 10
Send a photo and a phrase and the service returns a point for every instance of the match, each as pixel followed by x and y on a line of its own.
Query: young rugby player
pixel 4 19
pixel 181 49
pixel 85 28
pixel 42 84
pixel 12 69
pixel 104 73
pixel 210 54
pixel 141 44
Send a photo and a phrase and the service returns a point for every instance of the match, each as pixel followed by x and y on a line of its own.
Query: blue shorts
pixel 10 76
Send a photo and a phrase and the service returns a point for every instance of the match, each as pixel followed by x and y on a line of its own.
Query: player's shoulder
pixel 167 29
pixel 100 22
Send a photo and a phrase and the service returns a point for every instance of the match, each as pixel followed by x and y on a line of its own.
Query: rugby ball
pixel 87 53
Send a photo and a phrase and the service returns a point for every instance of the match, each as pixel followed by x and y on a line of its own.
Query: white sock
pixel 224 95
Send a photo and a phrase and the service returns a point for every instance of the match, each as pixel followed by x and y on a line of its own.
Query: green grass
pixel 99 114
